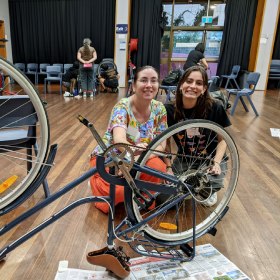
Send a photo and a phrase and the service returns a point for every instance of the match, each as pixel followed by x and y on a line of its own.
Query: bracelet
pixel 168 166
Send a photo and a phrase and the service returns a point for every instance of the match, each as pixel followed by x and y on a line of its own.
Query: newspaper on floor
pixel 208 264
pixel 81 274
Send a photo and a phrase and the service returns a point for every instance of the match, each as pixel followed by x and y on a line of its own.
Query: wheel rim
pixel 13 161
pixel 206 217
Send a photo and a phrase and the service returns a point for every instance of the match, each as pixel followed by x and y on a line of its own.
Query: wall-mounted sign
pixel 121 28
pixel 207 19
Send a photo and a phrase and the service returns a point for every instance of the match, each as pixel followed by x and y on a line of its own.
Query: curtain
pixel 51 31
pixel 237 36
pixel 146 25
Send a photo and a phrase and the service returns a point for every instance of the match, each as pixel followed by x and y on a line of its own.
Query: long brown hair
pixel 204 102
pixel 86 43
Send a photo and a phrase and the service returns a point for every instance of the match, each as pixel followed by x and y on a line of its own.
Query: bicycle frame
pixel 100 168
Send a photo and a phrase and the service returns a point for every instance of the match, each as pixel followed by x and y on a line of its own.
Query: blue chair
pixel 32 69
pixel 20 66
pixel 66 66
pixel 42 70
pixel 247 91
pixel 168 91
pixel 232 77
pixel 60 65
pixel 53 75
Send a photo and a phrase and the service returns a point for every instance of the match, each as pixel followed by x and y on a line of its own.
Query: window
pixel 190 23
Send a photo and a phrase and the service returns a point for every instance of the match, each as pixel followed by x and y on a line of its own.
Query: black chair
pixel 274 71
pixel 247 91
pixel 18 120
pixel 232 77
pixel 32 69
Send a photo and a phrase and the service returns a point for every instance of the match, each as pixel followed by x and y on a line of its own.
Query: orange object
pixel 168 226
pixel 100 187
pixel 8 183
pixel 133 45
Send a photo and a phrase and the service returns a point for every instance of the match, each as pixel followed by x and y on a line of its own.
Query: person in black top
pixel 109 78
pixel 69 79
pixel 195 57
pixel 193 101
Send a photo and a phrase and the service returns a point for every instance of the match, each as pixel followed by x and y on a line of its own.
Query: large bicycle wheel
pixel 193 145
pixel 19 163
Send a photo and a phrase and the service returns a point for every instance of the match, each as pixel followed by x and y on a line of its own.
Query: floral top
pixel 136 132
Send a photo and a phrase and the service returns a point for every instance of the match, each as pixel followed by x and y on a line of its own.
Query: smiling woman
pixel 194 102
pixel 134 121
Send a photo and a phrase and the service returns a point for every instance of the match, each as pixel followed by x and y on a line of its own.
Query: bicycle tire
pixel 13 158
pixel 181 216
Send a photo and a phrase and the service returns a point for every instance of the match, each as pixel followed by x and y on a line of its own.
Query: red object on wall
pixel 133 45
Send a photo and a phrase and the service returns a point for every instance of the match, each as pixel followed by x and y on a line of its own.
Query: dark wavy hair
pixel 204 102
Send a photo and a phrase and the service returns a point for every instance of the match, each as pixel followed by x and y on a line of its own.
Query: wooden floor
pixel 248 235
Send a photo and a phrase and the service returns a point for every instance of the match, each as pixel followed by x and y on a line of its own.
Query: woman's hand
pixel 215 169
pixel 142 146
pixel 169 170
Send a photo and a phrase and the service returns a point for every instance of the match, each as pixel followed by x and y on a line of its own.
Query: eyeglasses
pixel 146 81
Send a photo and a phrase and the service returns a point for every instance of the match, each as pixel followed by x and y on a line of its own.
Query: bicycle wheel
pixel 19 163
pixel 191 164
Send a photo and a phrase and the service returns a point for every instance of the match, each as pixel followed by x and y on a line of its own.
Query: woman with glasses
pixel 136 121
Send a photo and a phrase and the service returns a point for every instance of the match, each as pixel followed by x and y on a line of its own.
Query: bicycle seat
pixel 114 260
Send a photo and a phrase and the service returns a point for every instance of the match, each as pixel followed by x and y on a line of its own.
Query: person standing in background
pixel 86 56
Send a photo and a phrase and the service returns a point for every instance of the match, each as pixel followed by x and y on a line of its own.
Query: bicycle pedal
pixel 111 260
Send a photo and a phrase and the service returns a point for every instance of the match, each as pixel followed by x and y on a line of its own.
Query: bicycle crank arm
pixel 146 202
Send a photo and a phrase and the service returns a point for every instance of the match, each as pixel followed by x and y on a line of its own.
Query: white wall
pixel 121 40
pixel 4 15
pixel 268 32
